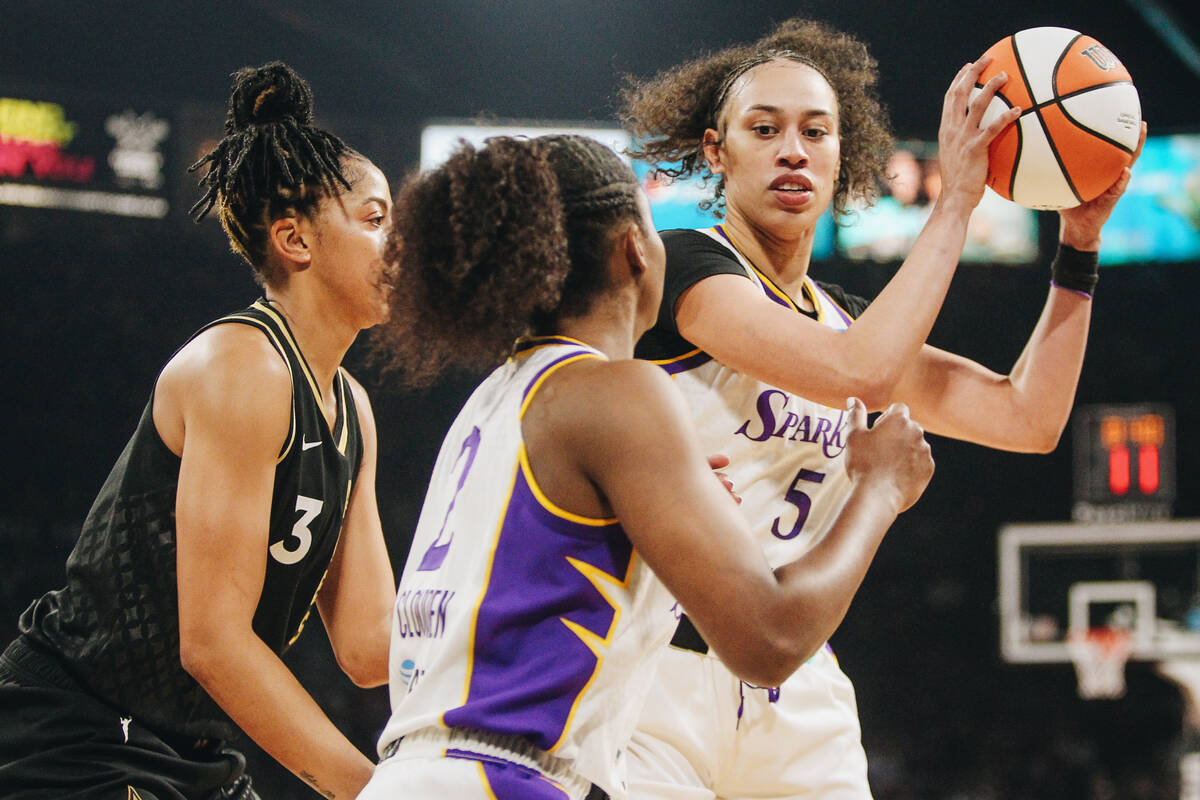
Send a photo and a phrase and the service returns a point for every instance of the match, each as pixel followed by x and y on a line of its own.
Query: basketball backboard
pixel 1062 578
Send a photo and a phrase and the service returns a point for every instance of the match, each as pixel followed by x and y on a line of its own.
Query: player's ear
pixel 711 145
pixel 633 242
pixel 288 240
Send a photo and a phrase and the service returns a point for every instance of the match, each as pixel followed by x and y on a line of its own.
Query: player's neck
pixel 608 326
pixel 784 260
pixel 322 336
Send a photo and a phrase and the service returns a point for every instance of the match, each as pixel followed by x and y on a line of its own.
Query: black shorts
pixel 59 742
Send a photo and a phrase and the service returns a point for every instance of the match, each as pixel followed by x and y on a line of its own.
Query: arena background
pixel 94 303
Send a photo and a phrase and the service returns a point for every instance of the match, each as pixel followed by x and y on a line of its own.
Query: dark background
pixel 93 305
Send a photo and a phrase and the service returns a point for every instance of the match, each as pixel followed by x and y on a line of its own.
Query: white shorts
pixel 704 733
pixel 439 763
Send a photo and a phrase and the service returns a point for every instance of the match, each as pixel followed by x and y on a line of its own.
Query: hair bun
pixel 266 94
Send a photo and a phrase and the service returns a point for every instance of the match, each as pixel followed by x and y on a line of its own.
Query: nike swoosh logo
pixel 307 445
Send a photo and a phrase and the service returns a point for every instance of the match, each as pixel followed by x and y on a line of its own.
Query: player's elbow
pixel 363 655
pixel 200 651
pixel 1046 443
pixel 771 657
pixel 1038 438
pixel 874 386
pixel 365 670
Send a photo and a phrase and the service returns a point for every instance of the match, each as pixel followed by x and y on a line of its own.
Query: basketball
pixel 1080 118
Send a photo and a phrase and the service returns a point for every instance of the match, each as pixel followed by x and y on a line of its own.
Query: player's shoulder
pixel 232 358
pixel 610 395
pixel 685 241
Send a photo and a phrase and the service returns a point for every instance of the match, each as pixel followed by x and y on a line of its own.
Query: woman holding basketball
pixel 244 497
pixel 788 126
pixel 527 619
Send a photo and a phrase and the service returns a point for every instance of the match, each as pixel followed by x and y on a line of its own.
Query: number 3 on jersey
pixel 309 508
pixel 436 553
pixel 800 500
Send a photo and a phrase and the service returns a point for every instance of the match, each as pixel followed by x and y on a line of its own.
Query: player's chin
pixel 378 316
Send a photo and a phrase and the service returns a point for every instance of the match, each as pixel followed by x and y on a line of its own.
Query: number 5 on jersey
pixel 800 500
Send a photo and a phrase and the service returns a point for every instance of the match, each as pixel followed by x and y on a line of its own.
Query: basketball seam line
pixel 1096 133
pixel 1012 179
pixel 1062 167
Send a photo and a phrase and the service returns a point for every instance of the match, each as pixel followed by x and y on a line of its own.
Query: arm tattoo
pixel 311 780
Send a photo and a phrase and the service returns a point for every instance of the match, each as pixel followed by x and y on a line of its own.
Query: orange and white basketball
pixel 1079 124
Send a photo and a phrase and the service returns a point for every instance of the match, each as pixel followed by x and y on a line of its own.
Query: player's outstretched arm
pixel 359 591
pixel 629 430
pixel 1027 409
pixel 225 402
pixel 730 319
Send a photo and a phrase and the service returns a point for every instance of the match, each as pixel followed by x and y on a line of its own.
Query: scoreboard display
pixel 1124 462
pixel 89 155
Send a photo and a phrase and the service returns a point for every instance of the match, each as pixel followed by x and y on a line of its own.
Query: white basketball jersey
pixel 514 616
pixel 785 452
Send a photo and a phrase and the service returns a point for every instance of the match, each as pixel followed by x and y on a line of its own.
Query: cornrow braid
pixel 669 113
pixel 495 244
pixel 271 160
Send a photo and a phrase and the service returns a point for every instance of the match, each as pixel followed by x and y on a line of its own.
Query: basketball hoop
pixel 1099 656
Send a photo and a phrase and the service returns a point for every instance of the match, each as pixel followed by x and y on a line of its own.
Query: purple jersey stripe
pixel 834 304
pixel 682 364
pixel 532 658
pixel 769 288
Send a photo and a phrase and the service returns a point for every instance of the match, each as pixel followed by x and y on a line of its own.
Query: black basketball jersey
pixel 115 625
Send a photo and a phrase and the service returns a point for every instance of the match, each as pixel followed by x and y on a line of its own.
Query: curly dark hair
pixel 495 244
pixel 669 113
pixel 271 162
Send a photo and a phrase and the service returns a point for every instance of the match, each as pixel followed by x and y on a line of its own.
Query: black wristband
pixel 1076 270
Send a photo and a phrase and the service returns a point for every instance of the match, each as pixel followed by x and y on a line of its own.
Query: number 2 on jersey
pixel 436 553
pixel 800 500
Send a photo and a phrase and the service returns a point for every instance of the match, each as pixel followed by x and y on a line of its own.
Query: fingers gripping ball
pixel 1079 124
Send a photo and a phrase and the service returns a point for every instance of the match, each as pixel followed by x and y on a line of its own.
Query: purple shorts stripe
pixel 508 780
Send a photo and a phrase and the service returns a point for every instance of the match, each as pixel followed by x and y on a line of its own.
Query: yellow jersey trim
pixel 550 371
pixel 673 359
pixel 550 505
pixel 275 315
pixel 483 778
pixel 344 435
pixel 806 287
pixel 603 583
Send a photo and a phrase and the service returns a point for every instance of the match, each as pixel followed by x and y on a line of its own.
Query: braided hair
pixel 271 162
pixel 669 113
pixel 495 244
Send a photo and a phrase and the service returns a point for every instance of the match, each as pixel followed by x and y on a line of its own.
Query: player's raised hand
pixel 1080 226
pixel 892 456
pixel 962 143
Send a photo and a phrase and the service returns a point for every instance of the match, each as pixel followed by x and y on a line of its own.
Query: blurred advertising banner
pixel 89 156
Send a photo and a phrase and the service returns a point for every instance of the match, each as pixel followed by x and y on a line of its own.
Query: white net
pixel 1100 656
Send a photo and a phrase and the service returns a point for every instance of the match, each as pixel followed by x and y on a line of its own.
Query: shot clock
pixel 1124 462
